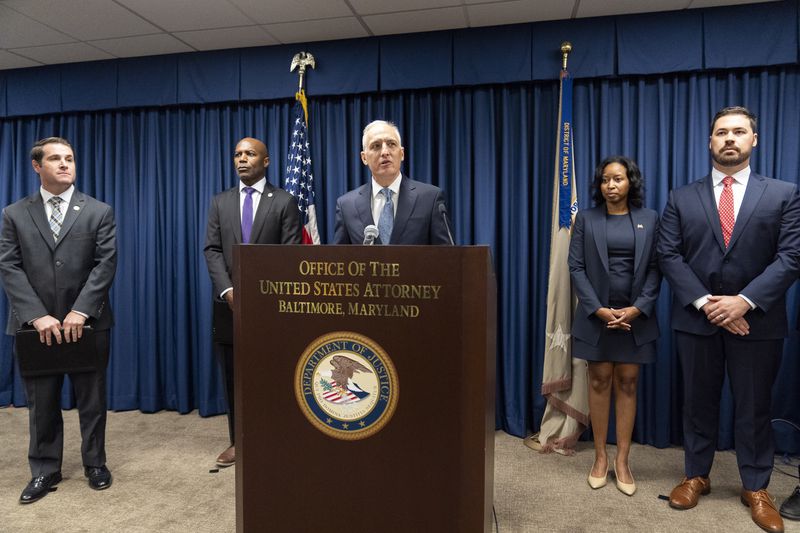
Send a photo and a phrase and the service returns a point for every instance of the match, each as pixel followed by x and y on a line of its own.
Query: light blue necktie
pixel 386 222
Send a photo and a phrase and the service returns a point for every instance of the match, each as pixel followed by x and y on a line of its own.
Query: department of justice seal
pixel 346 385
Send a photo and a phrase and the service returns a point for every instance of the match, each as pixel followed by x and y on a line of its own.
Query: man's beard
pixel 730 160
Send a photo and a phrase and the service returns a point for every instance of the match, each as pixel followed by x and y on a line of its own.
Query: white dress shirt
pixel 378 200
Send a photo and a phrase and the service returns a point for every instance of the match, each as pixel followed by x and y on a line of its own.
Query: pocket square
pixel 639 226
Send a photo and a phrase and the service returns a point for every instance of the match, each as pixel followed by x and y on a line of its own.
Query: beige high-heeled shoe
pixel 598 482
pixel 627 489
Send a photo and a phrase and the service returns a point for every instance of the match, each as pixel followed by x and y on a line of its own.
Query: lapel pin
pixel 269 195
pixel 639 226
pixel 76 208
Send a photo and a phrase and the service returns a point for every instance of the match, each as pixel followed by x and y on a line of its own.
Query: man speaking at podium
pixel 405 211
pixel 254 212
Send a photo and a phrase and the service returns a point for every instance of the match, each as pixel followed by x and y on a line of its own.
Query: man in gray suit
pixel 58 257
pixel 405 211
pixel 252 212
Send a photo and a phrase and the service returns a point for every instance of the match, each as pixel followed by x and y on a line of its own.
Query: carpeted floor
pixel 162 483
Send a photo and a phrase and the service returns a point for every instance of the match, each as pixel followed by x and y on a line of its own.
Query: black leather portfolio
pixel 38 359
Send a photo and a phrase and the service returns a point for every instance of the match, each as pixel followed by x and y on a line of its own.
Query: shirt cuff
pixel 223 293
pixel 700 302
pixel 748 300
pixel 84 315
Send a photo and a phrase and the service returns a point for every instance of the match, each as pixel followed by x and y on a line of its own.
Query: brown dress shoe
pixel 227 458
pixel 688 492
pixel 763 510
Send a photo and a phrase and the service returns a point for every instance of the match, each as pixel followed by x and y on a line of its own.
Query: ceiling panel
pixel 371 7
pixel 317 30
pixel 143 45
pixel 601 8
pixel 518 11
pixel 262 12
pixel 226 38
pixel 428 20
pixel 64 53
pixel 17 30
pixel 84 19
pixel 185 15
pixel 717 3
pixel 9 60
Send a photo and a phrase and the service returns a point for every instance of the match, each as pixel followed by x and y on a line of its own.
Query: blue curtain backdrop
pixel 490 148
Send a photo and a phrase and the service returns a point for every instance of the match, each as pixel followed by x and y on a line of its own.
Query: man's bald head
pixel 251 159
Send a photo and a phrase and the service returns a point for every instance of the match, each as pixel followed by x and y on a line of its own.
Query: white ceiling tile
pixel 297 10
pixel 602 8
pixel 186 15
pixel 17 30
pixel 416 21
pixel 84 19
pixel 226 38
pixel 143 45
pixel 716 3
pixel 317 30
pixel 371 7
pixel 518 11
pixel 9 60
pixel 63 53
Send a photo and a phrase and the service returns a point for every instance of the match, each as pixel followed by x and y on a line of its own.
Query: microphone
pixel 443 211
pixel 370 234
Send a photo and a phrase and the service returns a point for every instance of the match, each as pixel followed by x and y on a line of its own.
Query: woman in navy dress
pixel 612 262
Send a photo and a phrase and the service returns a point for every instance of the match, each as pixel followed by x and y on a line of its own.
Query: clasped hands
pixel 728 312
pixel 49 328
pixel 618 318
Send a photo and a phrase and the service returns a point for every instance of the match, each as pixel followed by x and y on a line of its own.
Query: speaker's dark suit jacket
pixel 277 221
pixel 46 277
pixel 588 266
pixel 760 262
pixel 417 219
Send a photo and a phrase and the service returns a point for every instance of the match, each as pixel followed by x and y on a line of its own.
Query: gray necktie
pixel 56 217
pixel 386 222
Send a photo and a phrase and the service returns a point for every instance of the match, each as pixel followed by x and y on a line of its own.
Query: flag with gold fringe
pixel 299 178
pixel 564 379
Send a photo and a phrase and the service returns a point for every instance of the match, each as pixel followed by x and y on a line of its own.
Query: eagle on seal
pixel 344 368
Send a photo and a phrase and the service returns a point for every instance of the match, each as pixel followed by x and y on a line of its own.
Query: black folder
pixel 36 358
pixel 222 327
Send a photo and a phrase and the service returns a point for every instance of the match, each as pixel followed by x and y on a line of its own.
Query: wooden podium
pixel 365 388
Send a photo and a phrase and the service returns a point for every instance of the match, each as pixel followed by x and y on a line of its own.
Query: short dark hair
pixel 636 191
pixel 735 110
pixel 37 152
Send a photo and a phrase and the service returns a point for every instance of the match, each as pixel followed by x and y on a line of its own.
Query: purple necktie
pixel 247 214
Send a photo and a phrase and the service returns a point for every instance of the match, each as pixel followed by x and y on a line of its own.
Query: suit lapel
pixel 364 205
pixel 598 221
pixel 39 216
pixel 752 195
pixel 264 205
pixel 639 236
pixel 405 206
pixel 705 192
pixel 74 210
pixel 229 212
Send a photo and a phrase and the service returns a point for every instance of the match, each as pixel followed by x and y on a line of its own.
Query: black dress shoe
pixel 791 507
pixel 39 487
pixel 99 477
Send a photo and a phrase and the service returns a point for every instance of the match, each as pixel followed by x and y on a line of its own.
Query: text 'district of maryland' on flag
pixel 299 178
pixel 564 379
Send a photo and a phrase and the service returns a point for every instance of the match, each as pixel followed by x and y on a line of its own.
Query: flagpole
pixel 564 379
pixel 299 177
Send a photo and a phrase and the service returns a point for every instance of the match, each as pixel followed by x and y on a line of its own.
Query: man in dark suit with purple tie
pixel 729 245
pixel 255 212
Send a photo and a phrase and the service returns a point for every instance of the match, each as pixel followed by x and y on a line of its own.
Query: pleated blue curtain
pixel 491 148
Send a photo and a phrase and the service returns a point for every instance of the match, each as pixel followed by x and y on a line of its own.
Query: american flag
pixel 299 179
